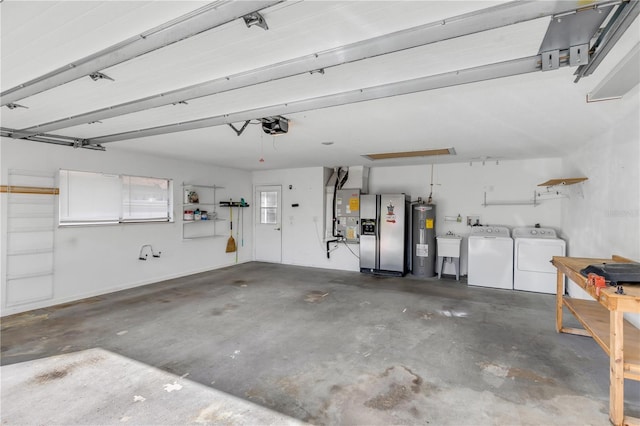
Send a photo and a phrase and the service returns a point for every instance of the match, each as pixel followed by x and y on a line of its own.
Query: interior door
pixel 268 229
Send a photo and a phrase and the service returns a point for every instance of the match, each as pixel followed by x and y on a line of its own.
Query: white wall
pixel 302 227
pixel 602 217
pixel 96 260
pixel 458 189
pixel 605 219
pixel 99 259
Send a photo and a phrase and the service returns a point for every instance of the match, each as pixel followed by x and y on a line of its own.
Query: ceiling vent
pixel 427 153
pixel 276 125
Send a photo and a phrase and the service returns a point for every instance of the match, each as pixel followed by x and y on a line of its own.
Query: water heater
pixel 423 237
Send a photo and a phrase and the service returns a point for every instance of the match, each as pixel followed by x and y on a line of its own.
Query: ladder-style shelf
pixel 30 235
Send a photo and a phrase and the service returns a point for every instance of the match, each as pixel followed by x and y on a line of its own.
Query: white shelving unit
pixel 206 195
pixel 31 222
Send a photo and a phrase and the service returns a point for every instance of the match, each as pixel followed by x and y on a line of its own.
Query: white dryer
pixel 490 257
pixel 532 253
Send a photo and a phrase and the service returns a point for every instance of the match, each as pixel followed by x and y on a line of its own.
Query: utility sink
pixel 449 245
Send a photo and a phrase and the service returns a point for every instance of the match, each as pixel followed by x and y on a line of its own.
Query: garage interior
pixel 244 298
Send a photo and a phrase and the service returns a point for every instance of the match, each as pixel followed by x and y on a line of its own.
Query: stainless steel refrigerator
pixel 384 220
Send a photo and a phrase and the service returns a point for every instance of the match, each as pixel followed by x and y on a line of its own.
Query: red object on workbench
pixel 597 281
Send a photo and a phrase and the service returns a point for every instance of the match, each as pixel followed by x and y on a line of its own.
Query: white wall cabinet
pixel 199 214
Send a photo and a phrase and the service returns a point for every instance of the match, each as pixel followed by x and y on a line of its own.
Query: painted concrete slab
pixel 96 386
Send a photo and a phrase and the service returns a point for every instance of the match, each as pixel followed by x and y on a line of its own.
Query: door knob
pixel 277 229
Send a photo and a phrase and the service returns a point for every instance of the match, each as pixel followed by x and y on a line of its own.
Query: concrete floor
pixel 321 346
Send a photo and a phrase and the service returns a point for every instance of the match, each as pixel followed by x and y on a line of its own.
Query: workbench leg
pixel 559 294
pixel 616 360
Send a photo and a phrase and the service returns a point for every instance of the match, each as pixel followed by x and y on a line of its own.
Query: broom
pixel 231 243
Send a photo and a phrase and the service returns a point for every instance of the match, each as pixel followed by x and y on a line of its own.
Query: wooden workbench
pixel 603 320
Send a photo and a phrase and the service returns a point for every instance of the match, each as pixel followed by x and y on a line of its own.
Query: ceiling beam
pixel 458 26
pixel 203 19
pixel 438 81
pixel 55 139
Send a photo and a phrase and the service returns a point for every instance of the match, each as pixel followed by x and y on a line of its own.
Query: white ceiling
pixel 536 115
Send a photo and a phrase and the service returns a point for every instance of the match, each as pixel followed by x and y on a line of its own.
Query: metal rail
pixel 203 19
pixel 458 26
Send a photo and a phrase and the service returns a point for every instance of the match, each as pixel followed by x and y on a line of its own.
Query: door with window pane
pixel 268 235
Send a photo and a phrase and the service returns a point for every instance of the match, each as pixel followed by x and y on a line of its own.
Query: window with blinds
pixel 97 198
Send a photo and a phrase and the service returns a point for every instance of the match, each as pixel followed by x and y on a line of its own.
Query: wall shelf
pixel 30 228
pixel 25 252
pixel 206 202
pixel 25 276
pixel 556 193
pixel 186 222
pixel 16 189
pixel 565 181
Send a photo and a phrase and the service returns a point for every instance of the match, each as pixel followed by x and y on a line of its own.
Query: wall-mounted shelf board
pixel 13 189
pixel 565 181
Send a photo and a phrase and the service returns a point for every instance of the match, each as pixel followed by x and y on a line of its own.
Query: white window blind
pixel 145 198
pixel 97 198
pixel 89 197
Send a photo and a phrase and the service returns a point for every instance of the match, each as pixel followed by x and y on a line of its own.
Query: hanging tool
pixel 242 204
pixel 237 234
pixel 231 243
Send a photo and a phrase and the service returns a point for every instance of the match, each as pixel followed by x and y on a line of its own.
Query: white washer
pixel 490 257
pixel 532 253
